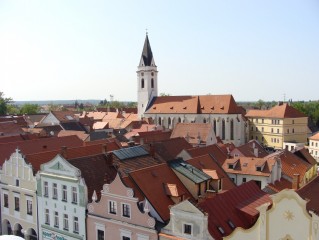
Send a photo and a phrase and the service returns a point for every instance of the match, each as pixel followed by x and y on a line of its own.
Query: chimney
pixel 152 150
pixel 64 152
pixel 295 181
pixel 104 148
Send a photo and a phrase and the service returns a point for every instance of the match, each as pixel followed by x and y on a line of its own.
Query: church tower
pixel 146 78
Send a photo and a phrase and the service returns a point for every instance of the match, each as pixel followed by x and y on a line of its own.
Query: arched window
pixel 142 83
pixel 293 130
pixel 179 120
pixel 231 129
pixel 152 83
pixel 215 126
pixel 223 129
pixel 169 122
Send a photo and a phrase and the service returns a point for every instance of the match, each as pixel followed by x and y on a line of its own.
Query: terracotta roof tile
pixel 310 192
pixel 304 154
pixel 207 164
pixel 18 138
pixel 193 132
pixel 277 186
pixel 150 181
pixel 100 125
pixel 81 134
pixel 153 136
pixel 64 116
pixel 213 150
pixel 279 111
pixel 315 137
pixel 37 145
pixel 10 129
pixel 236 205
pixel 96 171
pixel 248 149
pixel 217 104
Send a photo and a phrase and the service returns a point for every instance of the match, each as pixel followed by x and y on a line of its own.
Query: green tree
pixel 4 103
pixel 13 109
pixel 29 109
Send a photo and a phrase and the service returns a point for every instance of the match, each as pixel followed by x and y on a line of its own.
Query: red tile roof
pixel 170 148
pixel 37 145
pixel 81 134
pixel 310 192
pixel 10 129
pixel 153 136
pixel 151 183
pixel 248 149
pixel 96 171
pixel 217 104
pixel 213 150
pixel 36 159
pixel 63 116
pixel 207 162
pixel 304 154
pixel 193 132
pixel 237 205
pixel 277 186
pixel 18 138
pixel 279 111
pixel 315 137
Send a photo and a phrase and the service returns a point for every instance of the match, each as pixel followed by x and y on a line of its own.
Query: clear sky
pixel 253 49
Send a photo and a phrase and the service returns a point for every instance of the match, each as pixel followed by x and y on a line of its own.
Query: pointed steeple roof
pixel 147 54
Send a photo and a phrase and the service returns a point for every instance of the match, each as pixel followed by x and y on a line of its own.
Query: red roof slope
pixel 310 192
pixel 279 111
pixel 213 150
pixel 236 205
pixel 96 171
pixel 36 159
pixel 208 162
pixel 10 129
pixel 151 182
pixel 248 149
pixel 37 145
pixel 217 104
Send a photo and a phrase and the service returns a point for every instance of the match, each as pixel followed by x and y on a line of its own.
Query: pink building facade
pixel 117 215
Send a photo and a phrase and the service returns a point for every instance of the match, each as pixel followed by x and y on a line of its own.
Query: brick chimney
pixel 64 152
pixel 295 181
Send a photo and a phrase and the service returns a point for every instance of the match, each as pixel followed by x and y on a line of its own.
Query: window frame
pixel 124 210
pixel 64 193
pixel 54 190
pixel 185 230
pixel 112 205
pixel 74 195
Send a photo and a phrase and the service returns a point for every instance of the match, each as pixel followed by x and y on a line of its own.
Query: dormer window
pixel 259 169
pixel 231 224
pixel 230 166
pixel 221 230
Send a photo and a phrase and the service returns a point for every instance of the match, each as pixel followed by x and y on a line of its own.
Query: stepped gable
pixel 234 208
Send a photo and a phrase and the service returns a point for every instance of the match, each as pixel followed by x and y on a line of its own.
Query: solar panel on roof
pixel 132 152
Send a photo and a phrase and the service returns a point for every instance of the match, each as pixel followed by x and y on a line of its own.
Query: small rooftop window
pixel 231 224
pixel 259 169
pixel 221 230
pixel 230 166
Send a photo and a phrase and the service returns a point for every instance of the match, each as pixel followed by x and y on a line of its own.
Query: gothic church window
pixel 223 129
pixel 152 83
pixel 232 129
pixel 142 83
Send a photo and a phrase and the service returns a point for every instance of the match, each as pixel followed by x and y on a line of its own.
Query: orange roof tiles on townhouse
pixel 112 115
pixel 97 116
pixel 234 208
pixel 310 192
pixel 18 138
pixel 304 154
pixel 103 141
pixel 168 149
pixel 152 136
pixel 291 164
pixel 64 116
pixel 100 125
pixel 249 166
pixel 250 149
pixel 80 134
pixel 193 132
pixel 36 159
pixel 278 185
pixel 151 181
pixel 131 116
pixel 37 145
pixel 279 111
pixel 210 166
pixel 315 137
pixel 217 104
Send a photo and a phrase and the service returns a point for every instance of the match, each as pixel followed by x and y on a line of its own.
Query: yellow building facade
pixel 278 125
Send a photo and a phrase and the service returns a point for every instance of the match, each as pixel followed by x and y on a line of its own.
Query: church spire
pixel 147 55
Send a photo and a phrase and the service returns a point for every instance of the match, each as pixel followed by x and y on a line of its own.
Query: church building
pixel 220 110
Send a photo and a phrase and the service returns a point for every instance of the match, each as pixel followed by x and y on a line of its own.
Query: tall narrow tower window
pixel 142 83
pixel 152 74
pixel 152 83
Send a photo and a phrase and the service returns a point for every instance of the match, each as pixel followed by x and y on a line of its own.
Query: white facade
pixel 62 200
pixel 18 198
pixel 314 149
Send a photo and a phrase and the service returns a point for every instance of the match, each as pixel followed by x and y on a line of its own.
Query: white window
pixel 5 200
pixel 187 228
pixel 55 191
pixel 65 222
pixel 64 193
pixel 125 234
pixel 56 219
pixel 29 207
pixel 112 207
pixel 46 189
pixel 76 224
pixel 74 195
pixel 47 217
pixel 126 210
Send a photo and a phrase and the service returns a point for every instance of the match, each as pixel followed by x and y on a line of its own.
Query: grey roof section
pixel 189 171
pixel 131 152
pixel 98 135
pixel 147 54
